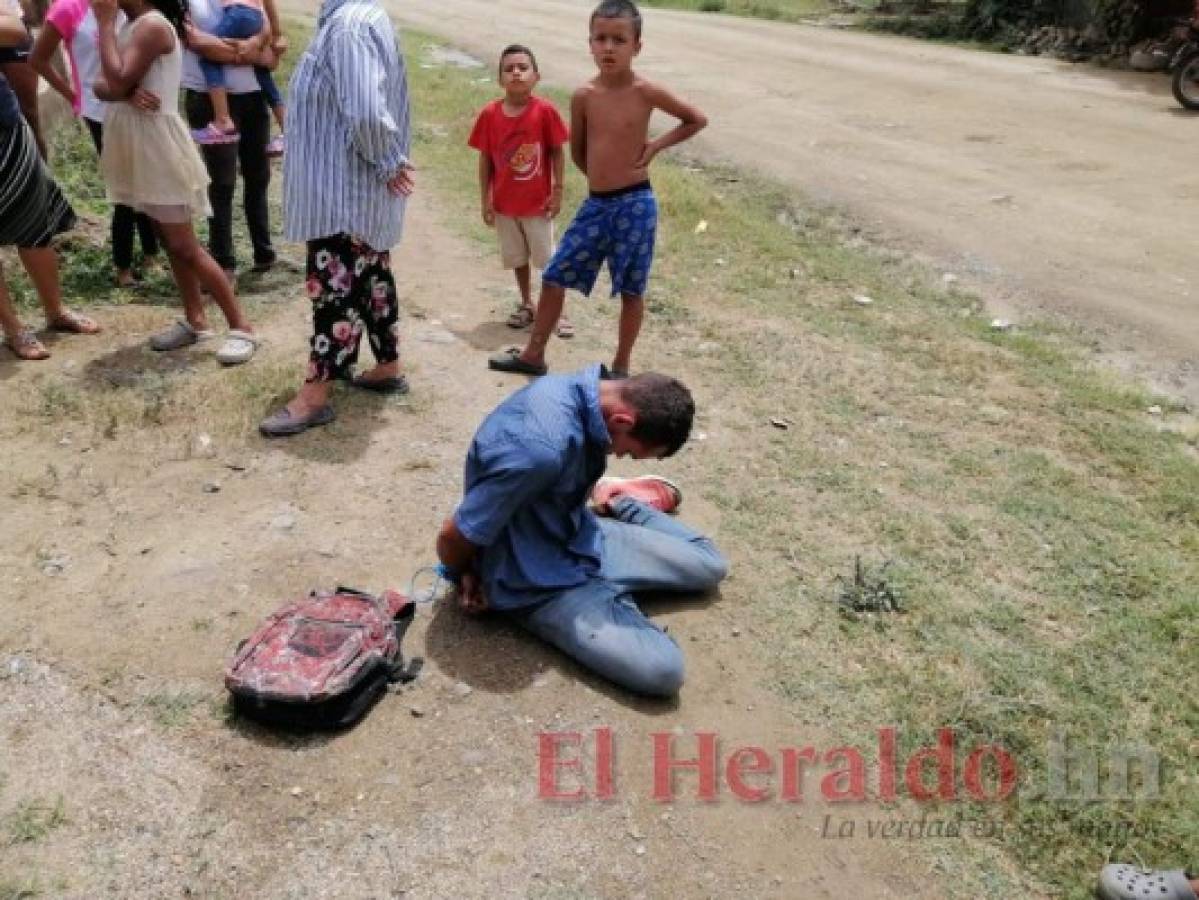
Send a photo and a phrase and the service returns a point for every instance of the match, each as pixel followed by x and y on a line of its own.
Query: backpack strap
pixel 401 672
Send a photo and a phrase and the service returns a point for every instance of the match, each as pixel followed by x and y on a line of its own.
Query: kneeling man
pixel 524 542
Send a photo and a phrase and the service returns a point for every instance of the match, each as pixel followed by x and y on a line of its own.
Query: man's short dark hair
pixel 619 9
pixel 664 408
pixel 518 48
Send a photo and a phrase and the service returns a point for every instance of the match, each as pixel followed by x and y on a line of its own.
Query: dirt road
pixel 144 555
pixel 1053 189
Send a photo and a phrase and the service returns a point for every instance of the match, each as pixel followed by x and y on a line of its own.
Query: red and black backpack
pixel 324 661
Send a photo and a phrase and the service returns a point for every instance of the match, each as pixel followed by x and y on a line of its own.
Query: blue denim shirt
pixel 530 468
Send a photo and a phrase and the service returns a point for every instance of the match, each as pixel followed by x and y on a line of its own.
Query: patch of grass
pixel 1046 528
pixel 32 820
pixel 132 392
pixel 59 400
pixel 172 709
pixel 222 710
pixel 869 592
pixel 775 10
pixel 19 889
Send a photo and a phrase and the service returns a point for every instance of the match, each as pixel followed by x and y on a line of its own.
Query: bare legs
pixel 311 397
pixel 41 264
pixel 193 267
pixel 549 311
pixel 522 284
pixel 315 394
pixel 14 332
pixel 632 311
pixel 221 119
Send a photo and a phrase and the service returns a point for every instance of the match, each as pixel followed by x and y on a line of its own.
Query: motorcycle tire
pixel 1185 83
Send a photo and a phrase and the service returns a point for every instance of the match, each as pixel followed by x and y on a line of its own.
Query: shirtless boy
pixel 609 143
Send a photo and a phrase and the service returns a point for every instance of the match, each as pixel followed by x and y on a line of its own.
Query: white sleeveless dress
pixel 149 160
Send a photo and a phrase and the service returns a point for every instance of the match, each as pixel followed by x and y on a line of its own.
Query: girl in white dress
pixel 150 163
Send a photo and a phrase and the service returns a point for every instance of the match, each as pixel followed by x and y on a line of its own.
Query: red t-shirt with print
pixel 519 149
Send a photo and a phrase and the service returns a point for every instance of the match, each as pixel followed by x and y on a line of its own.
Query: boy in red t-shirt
pixel 521 167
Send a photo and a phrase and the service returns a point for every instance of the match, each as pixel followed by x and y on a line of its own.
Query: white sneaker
pixel 238 348
pixel 177 335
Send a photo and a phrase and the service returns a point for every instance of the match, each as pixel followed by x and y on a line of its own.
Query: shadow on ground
pixel 495 655
pixel 360 414
pixel 492 336
pixel 132 365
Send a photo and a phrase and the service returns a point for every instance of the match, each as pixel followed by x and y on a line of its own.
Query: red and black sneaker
pixel 651 490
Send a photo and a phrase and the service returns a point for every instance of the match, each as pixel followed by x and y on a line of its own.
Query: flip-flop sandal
pixel 1124 882
pixel 396 385
pixel 210 135
pixel 566 330
pixel 71 322
pixel 509 361
pixel 26 346
pixel 522 317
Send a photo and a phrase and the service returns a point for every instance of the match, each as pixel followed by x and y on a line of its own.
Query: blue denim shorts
pixel 617 226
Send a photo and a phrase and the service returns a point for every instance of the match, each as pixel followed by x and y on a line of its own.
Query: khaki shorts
pixel 525 240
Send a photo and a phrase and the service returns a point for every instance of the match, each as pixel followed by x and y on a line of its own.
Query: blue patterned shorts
pixel 617 227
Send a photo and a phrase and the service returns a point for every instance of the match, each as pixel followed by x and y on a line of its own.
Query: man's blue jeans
pixel 598 623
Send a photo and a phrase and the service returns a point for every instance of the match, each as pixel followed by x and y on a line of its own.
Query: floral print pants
pixel 352 291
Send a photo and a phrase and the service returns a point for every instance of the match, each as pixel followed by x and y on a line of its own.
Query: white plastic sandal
pixel 1123 882
pixel 238 348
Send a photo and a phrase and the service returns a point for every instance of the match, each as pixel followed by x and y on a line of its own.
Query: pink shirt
pixel 75 23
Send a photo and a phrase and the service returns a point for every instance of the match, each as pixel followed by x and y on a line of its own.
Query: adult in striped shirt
pixel 346 179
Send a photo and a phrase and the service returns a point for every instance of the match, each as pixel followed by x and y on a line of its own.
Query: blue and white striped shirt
pixel 348 129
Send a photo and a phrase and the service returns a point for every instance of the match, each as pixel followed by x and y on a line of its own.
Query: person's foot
pixel 238 348
pixel 211 135
pixel 275 148
pixel 511 361
pixel 1123 882
pixel 177 335
pixel 381 383
pixel 522 317
pixel 71 322
pixel 286 423
pixel 265 264
pixel 125 278
pixel 651 490
pixel 25 345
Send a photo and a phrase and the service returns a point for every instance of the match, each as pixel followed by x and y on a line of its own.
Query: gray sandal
pixel 284 424
pixel 396 385
pixel 177 335
pixel 1123 882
